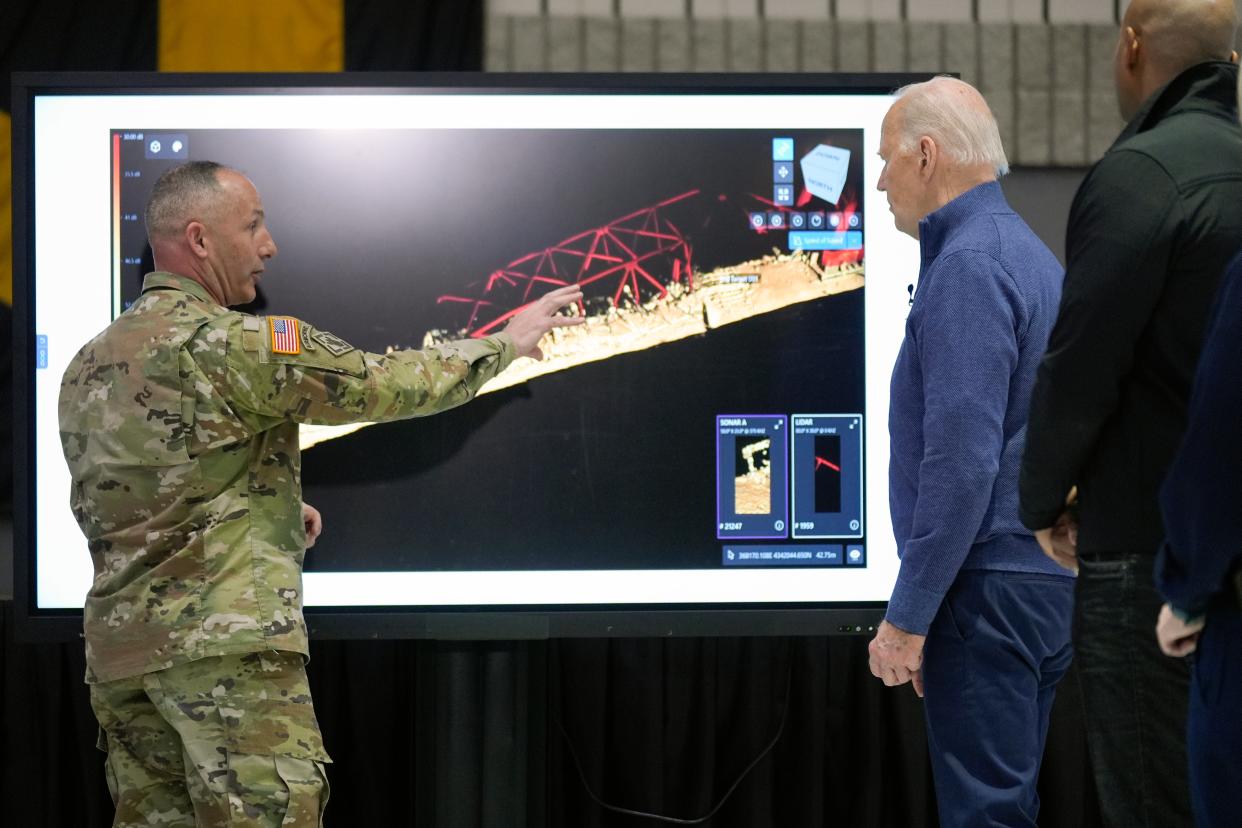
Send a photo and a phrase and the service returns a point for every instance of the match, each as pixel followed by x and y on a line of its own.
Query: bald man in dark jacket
pixel 1150 232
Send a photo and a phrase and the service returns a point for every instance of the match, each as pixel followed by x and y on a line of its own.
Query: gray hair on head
pixel 953 114
pixel 181 195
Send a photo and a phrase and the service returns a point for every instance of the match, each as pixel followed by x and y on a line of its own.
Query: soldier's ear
pixel 196 237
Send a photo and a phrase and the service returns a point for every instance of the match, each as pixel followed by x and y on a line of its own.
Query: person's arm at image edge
pixel 1199 497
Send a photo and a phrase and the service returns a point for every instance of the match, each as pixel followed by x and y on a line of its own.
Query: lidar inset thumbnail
pixel 827 473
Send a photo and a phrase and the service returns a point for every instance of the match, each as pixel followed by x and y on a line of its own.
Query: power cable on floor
pixel 780 728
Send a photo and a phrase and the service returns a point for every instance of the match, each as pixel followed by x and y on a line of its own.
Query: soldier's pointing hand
pixel 529 325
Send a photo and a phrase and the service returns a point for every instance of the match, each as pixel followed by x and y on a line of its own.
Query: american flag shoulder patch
pixel 285 339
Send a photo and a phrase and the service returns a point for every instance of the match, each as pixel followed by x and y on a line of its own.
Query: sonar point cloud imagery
pixel 752 485
pixel 644 284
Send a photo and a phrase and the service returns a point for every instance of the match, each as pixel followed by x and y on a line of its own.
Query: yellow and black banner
pixel 245 36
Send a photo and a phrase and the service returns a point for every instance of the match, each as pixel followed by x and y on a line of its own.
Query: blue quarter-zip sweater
pixel 987 296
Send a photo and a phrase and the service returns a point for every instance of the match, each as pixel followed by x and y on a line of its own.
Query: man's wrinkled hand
pixel 312 521
pixel 1177 637
pixel 897 657
pixel 529 325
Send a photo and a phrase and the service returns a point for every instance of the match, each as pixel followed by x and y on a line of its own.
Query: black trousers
pixel 1135 697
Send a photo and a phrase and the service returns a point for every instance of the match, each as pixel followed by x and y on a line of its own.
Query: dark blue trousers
pixel 991 663
pixel 1214 722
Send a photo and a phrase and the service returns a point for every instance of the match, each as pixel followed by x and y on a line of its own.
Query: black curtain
pixel 667 725
pixel 484 735
pixel 50 773
pixel 76 35
pixel 413 35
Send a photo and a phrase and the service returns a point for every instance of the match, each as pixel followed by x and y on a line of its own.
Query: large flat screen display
pixel 713 439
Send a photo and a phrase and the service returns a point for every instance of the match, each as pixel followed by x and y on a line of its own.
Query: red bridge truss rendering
pixel 632 258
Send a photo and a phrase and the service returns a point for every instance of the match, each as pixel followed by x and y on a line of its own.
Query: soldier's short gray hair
pixel 966 134
pixel 181 195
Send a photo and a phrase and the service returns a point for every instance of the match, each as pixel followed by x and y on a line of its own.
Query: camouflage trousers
pixel 223 741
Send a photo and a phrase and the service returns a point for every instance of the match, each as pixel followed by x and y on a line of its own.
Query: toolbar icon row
pixel 798 220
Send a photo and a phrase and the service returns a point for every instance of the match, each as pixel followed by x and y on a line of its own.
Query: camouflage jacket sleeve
pixel 326 381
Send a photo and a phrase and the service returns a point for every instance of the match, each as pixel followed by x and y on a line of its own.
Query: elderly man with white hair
pixel 979 619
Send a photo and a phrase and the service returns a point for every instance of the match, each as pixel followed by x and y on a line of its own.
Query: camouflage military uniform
pixel 221 741
pixel 180 426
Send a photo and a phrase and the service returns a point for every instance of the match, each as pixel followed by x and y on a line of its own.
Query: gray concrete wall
pixel 1042 197
pixel 1044 65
